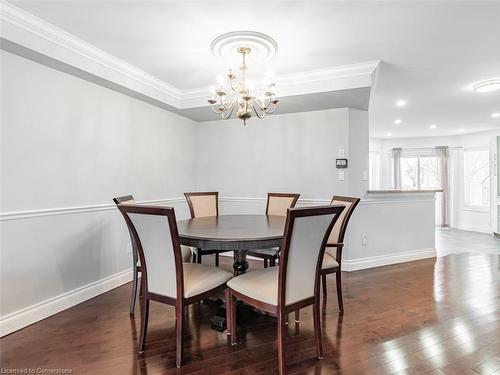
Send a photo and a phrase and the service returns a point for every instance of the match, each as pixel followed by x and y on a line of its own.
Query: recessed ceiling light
pixel 432 126
pixel 487 86
pixel 461 130
pixel 389 134
pixel 401 103
pixel 398 121
pixel 495 115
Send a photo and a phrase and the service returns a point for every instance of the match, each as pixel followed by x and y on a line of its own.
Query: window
pixel 477 177
pixel 420 172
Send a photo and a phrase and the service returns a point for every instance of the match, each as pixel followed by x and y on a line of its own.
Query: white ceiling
pixel 431 51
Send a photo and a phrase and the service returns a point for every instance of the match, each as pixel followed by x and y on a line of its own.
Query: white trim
pixel 384 260
pixel 32 314
pixel 16 215
pixel 27 30
pixel 472 208
pixel 301 83
pixel 472 228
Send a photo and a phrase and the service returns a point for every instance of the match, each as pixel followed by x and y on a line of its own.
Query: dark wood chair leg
pixel 317 329
pixel 265 263
pixel 338 274
pixel 133 295
pixel 233 319
pixel 179 320
pixel 323 280
pixel 144 324
pixel 216 260
pixel 227 296
pixel 281 343
pixel 198 256
pixel 273 262
pixel 297 316
pixel 194 257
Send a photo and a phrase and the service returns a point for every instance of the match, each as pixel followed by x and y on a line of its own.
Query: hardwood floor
pixel 454 241
pixel 436 316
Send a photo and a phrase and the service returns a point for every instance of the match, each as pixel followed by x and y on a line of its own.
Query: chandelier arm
pixel 230 113
pixel 257 114
pixel 273 108
pixel 215 110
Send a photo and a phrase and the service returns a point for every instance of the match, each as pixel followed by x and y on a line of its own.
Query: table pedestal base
pixel 240 264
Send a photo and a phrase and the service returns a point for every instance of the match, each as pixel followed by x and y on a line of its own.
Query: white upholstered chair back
pixel 278 205
pixel 338 231
pixel 303 252
pixel 202 205
pixel 155 240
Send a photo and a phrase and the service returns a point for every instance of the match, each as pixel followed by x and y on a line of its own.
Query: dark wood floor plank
pixel 436 316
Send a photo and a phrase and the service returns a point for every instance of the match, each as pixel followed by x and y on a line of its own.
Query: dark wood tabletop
pixel 232 232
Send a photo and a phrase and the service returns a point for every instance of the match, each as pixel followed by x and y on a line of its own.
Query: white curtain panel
pixel 443 153
pixel 396 168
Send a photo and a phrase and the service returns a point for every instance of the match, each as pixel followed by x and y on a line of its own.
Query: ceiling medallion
pixel 232 93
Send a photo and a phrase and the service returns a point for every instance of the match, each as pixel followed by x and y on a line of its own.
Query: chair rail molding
pixel 17 215
pixel 31 37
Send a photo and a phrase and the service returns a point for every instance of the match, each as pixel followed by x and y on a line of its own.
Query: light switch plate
pixel 341 175
pixel 341 153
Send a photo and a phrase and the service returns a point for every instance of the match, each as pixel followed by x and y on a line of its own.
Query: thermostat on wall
pixel 341 163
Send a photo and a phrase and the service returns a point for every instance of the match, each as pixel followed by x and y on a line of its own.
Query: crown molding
pixel 334 78
pixel 35 34
pixel 29 31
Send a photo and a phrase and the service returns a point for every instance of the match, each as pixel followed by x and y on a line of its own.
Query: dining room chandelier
pixel 234 94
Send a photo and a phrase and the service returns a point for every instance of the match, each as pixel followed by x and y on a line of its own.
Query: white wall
pixel 67 147
pixel 290 152
pixel 463 217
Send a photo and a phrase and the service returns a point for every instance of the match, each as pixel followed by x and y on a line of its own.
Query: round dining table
pixel 237 233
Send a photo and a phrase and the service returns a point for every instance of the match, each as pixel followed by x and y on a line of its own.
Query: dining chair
pixel 136 264
pixel 166 278
pixel 295 283
pixel 332 258
pixel 277 204
pixel 203 204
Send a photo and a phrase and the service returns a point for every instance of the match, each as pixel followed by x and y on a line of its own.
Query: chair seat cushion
pixel 199 278
pixel 261 285
pixel 329 262
pixel 273 252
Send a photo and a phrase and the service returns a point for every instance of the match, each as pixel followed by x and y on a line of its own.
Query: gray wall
pixel 290 152
pixel 68 143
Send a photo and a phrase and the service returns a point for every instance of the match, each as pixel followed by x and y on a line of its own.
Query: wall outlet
pixel 341 175
pixel 129 248
pixel 341 153
pixel 364 240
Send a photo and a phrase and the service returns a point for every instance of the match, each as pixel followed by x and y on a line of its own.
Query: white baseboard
pixel 32 314
pixel 349 265
pixel 385 260
pixel 472 228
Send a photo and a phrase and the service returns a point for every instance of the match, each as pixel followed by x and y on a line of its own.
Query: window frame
pixel 419 154
pixel 466 205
